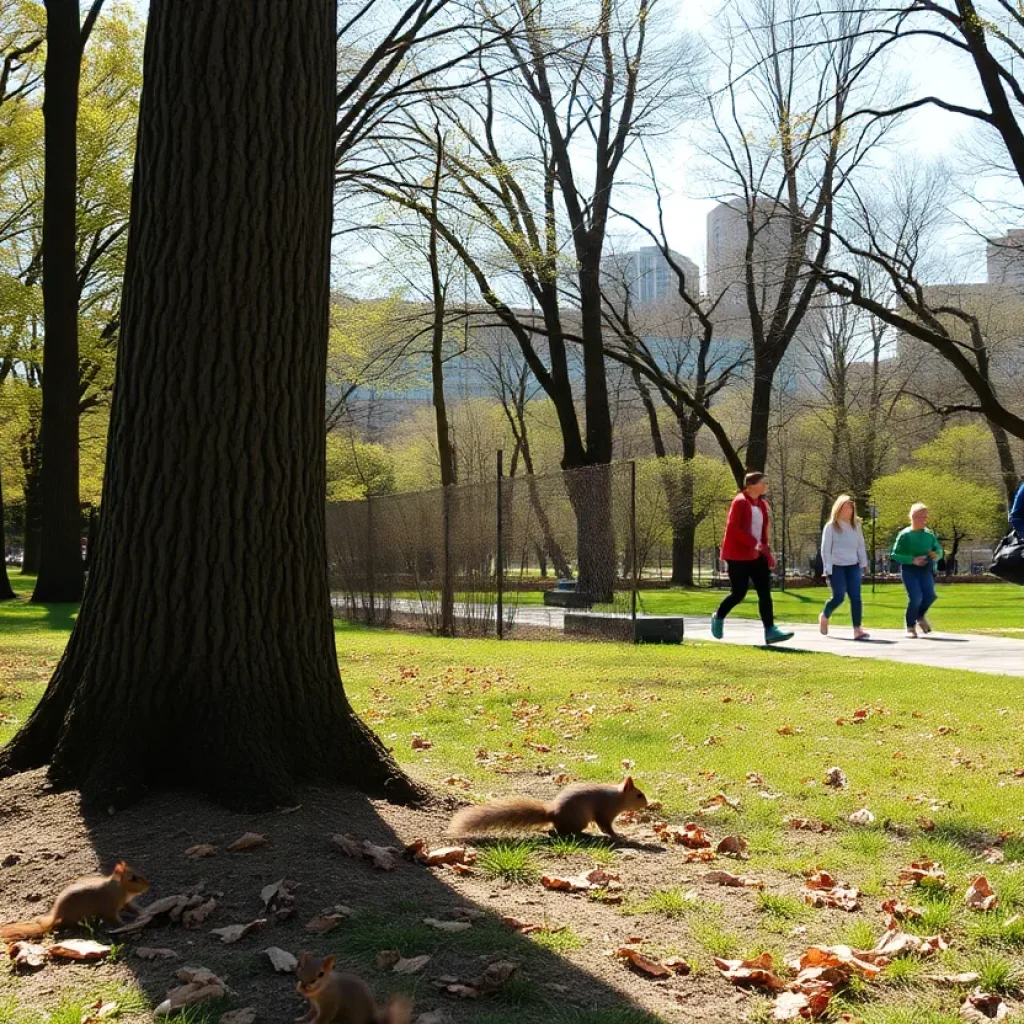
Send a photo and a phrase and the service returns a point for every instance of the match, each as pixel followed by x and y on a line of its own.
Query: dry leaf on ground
pixel 993 855
pixel 79 949
pixel 281 960
pixel 526 928
pixel 900 911
pixel 457 780
pixel 199 986
pixel 861 817
pixel 598 878
pixel 412 965
pixel 494 977
pixel 719 800
pixel 98 1011
pixel 196 915
pixel 736 881
pixel 420 743
pixel 691 835
pixel 808 825
pixel 200 851
pixel 953 980
pixel 383 857
pixel 836 778
pixel 167 905
pixel 233 932
pixel 278 898
pixel 809 1001
pixel 894 943
pixel 827 891
pixel 447 926
pixel 980 895
pixel 758 971
pixel 842 961
pixel 348 846
pixel 249 841
pixel 923 872
pixel 327 920
pixel 31 955
pixel 417 850
pixel 981 1006
pixel 643 963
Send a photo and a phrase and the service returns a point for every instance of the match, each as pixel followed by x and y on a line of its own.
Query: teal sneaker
pixel 717 627
pixel 776 635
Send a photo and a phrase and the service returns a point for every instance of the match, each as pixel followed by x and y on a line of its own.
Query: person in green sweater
pixel 917 549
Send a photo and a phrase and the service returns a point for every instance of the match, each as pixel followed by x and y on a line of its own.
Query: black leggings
pixel 741 575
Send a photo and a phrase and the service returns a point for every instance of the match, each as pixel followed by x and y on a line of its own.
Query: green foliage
pixel 959 508
pixel 356 469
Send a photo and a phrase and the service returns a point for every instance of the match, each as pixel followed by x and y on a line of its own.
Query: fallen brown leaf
pixel 281 960
pixel 865 963
pixel 836 778
pixel 457 780
pixel 327 920
pixel 758 972
pixel 953 980
pixel 231 933
pixel 30 955
pixel 981 1006
pixel 447 926
pixel 691 835
pixel 899 911
pixel 200 851
pixel 412 965
pixel 348 846
pixel 808 825
pixel 194 916
pixel 420 743
pixel 98 1011
pixel 249 841
pixel 79 949
pixel 199 986
pixel 593 880
pixel 923 872
pixel 246 1015
pixel 383 857
pixel 980 895
pixel 993 855
pixel 643 963
pixel 895 942
pixel 861 817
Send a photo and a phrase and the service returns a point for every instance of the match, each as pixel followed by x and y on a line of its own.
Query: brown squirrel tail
pixel 398 1011
pixel 498 815
pixel 27 929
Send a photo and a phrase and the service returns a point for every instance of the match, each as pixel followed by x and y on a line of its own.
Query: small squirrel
pixel 570 812
pixel 103 896
pixel 336 997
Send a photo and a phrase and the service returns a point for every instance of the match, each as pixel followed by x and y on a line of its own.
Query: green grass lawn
pixel 939 761
pixel 961 607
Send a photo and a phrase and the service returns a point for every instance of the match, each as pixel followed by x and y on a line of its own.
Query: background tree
pixel 227 681
pixel 960 509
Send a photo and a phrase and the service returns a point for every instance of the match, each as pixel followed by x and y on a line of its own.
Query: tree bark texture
pixel 203 656
pixel 61 572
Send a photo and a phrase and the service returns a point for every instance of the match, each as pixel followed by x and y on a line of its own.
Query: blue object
pixel 1017 512
pixel 774 635
pixel 717 627
pixel 845 580
pixel 920 583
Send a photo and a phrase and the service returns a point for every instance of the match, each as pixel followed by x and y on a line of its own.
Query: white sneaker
pixel 924 625
pixel 823 624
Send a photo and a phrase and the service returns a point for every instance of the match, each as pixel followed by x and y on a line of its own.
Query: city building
pixel 646 275
pixel 1005 258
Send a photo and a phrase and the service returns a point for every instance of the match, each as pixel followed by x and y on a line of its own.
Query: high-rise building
pixel 646 275
pixel 727 253
pixel 1005 258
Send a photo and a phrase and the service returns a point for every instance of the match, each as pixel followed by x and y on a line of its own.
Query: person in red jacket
pixel 748 556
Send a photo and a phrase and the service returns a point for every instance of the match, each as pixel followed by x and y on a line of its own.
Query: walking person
pixel 917 549
pixel 748 558
pixel 1017 512
pixel 844 556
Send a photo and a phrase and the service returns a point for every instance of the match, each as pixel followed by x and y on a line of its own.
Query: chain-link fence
pixel 516 554
pixel 464 561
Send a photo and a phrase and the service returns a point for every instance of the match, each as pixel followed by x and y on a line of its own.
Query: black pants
pixel 741 575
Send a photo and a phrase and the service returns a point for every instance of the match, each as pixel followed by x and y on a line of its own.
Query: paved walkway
pixel 971 651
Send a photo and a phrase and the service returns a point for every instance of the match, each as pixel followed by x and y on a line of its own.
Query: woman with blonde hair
pixel 845 557
pixel 917 549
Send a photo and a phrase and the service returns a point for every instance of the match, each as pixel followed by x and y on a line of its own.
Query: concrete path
pixel 971 651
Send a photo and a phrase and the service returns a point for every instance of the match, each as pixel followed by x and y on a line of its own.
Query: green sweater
pixel 911 544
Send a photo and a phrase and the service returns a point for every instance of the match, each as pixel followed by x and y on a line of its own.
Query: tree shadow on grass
pixel 388 907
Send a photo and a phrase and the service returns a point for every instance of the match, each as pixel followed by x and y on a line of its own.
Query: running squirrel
pixel 570 812
pixel 103 896
pixel 340 998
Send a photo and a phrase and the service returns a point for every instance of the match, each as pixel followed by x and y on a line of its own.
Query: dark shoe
pixel 776 635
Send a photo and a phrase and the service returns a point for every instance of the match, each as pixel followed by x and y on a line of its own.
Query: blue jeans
pixel 845 580
pixel 920 583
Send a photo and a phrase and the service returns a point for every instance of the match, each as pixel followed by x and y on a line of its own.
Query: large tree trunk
pixel 30 464
pixel 590 492
pixel 203 656
pixel 6 590
pixel 61 572
pixel 1007 464
pixel 760 415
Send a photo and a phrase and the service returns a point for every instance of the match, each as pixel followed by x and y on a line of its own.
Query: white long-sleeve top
pixel 843 546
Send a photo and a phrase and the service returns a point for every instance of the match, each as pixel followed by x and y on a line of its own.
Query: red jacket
pixel 738 545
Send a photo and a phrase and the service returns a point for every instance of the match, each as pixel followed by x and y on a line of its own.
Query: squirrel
pixel 336 997
pixel 570 812
pixel 103 896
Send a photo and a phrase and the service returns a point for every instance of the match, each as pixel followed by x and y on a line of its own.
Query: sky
pixel 929 134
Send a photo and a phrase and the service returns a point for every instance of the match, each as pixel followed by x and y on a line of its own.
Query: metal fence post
pixel 371 582
pixel 500 559
pixel 632 542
